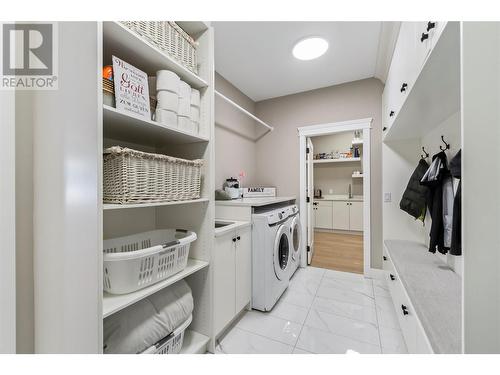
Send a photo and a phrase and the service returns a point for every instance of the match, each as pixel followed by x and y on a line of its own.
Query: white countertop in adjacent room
pixel 254 202
pixel 356 198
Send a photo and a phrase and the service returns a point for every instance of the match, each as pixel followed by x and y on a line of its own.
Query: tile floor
pixel 323 311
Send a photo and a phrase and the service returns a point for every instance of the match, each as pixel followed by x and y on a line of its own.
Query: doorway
pixel 335 195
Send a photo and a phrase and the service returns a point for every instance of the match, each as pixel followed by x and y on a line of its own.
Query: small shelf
pixel 341 160
pixel 125 44
pixel 357 176
pixel 194 343
pixel 127 127
pixel 110 206
pixel 113 303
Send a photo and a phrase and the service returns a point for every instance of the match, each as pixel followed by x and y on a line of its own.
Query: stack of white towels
pixel 178 104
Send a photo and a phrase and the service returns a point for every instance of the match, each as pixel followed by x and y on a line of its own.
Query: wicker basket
pixel 168 37
pixel 132 176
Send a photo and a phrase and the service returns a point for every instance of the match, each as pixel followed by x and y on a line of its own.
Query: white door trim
pixel 7 223
pixel 332 128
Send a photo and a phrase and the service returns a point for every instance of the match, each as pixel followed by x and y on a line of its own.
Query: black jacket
pixel 456 234
pixel 434 179
pixel 414 200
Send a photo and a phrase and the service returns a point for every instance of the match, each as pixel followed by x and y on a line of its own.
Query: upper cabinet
pixel 422 86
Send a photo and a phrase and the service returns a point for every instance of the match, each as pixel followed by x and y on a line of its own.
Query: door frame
pixel 305 132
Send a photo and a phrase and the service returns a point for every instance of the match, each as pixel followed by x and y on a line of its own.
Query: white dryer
pixel 295 237
pixel 271 257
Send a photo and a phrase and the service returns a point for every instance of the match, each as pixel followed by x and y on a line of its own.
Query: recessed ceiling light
pixel 310 48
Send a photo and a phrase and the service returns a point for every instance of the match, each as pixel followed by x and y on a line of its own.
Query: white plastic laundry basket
pixel 134 262
pixel 172 344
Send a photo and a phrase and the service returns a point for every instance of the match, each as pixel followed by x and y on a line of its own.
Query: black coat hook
pixel 425 153
pixel 446 145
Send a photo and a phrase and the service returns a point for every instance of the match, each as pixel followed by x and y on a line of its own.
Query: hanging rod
pixel 241 109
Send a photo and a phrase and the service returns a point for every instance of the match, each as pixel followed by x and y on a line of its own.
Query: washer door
pixel 281 253
pixel 295 237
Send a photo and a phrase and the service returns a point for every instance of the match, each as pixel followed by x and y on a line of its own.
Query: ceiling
pixel 256 57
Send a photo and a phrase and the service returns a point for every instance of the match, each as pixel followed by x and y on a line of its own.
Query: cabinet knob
pixel 384 257
pixel 403 87
pixel 405 309
pixel 391 113
pixel 234 239
pixel 238 238
pixel 392 277
pixel 430 25
pixel 384 128
pixel 424 37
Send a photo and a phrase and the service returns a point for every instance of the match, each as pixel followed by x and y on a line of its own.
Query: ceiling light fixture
pixel 310 48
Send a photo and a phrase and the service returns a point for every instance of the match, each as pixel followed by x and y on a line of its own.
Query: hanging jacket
pixel 440 201
pixel 414 199
pixel 456 231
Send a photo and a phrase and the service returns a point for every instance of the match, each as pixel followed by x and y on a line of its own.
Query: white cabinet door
pixel 224 276
pixel 340 215
pixel 323 214
pixel 243 268
pixel 356 216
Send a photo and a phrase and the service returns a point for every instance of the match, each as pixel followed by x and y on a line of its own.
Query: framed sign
pixel 131 89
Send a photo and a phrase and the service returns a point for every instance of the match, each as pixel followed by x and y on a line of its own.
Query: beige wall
pixel 278 152
pixel 234 135
pixel 334 178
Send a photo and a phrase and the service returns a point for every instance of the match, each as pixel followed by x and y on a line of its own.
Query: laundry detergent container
pixel 137 261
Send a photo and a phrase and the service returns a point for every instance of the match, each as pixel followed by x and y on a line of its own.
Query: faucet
pixel 350 191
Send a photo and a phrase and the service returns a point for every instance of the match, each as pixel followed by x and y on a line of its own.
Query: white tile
pixel 327 291
pixel 238 341
pixel 271 327
pixel 365 313
pixel 289 312
pixel 300 351
pixel 363 286
pixel 392 341
pixel 332 274
pixel 305 283
pixel 354 329
pixel 386 314
pixel 311 272
pixel 297 298
pixel 318 341
pixel 380 288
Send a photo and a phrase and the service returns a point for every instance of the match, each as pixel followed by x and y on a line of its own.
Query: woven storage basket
pixel 172 344
pixel 132 176
pixel 168 37
pixel 139 260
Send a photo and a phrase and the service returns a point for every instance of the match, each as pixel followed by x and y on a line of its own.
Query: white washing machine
pixel 295 237
pixel 271 257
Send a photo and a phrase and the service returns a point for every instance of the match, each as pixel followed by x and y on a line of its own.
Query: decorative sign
pixel 131 89
pixel 253 192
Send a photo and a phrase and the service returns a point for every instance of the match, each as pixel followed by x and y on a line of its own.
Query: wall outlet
pixel 387 197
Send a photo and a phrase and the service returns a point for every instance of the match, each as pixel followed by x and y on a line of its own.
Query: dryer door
pixel 282 253
pixel 295 237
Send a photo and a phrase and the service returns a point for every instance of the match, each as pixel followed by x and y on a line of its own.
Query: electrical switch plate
pixel 387 197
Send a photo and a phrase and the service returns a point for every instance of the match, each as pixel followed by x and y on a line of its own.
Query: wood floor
pixel 340 252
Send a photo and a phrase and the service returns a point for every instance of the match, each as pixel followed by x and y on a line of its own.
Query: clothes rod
pixel 241 109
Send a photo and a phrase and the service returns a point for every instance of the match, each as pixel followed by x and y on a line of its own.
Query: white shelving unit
pixel 196 215
pixel 341 160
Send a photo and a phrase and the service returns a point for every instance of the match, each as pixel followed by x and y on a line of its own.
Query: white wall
pixel 334 178
pixel 235 147
pixel 278 152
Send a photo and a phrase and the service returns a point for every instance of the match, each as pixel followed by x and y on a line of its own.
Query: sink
pixel 221 224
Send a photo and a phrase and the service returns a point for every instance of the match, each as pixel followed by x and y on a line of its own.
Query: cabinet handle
pixel 405 309
pixel 234 239
pixel 392 277
pixel 384 257
pixel 391 113
pixel 238 238
pixel 384 128
pixel 424 37
pixel 403 87
pixel 430 25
